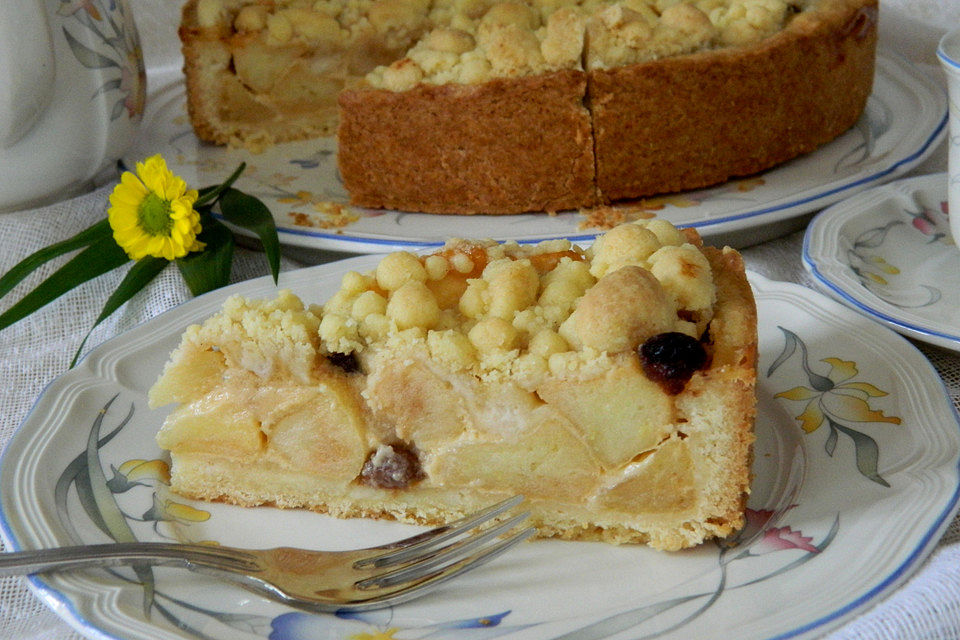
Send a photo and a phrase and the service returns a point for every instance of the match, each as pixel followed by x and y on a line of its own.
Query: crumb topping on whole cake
pixel 473 41
pixel 514 39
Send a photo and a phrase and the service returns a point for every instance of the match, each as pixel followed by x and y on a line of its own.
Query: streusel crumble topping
pixel 510 310
pixel 473 41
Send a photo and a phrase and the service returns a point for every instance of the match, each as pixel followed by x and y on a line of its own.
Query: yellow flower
pixel 840 398
pixel 164 510
pixel 132 472
pixel 151 213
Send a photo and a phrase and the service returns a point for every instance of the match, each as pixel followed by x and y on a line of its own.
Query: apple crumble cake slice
pixel 613 386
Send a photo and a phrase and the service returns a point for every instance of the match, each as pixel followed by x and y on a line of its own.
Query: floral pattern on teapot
pixel 102 35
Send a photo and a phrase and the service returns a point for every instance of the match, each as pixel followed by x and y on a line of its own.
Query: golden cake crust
pixel 503 146
pixel 692 121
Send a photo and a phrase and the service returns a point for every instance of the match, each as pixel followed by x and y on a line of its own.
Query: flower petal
pixel 852 409
pixel 841 370
pixel 153 469
pixel 782 538
pixel 812 417
pixel 797 393
pixel 865 387
pixel 179 511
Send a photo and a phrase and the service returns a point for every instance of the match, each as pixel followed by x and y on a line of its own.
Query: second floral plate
pixel 887 252
pixel 856 477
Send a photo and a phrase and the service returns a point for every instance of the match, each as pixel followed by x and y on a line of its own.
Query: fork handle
pixel 126 553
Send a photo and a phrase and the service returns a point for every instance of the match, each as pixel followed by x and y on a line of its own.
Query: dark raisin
pixel 393 466
pixel 346 361
pixel 670 359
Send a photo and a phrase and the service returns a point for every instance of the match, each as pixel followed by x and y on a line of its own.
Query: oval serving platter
pixel 904 120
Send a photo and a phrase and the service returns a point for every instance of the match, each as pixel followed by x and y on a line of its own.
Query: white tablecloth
pixel 33 353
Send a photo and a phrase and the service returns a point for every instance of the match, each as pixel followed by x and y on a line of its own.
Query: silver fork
pixel 315 580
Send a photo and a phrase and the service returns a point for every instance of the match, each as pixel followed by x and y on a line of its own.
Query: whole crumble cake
pixel 491 106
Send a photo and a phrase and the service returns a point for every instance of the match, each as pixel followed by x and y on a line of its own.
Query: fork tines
pixel 447 551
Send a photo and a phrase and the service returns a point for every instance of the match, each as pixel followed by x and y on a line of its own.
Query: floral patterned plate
pixel 887 252
pixel 856 477
pixel 904 119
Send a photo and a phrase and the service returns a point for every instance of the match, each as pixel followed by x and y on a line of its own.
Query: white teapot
pixel 72 93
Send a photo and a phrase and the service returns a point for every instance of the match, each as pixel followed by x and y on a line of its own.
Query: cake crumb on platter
pixel 329 215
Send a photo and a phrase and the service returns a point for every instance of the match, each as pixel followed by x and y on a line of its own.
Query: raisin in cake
pixel 505 106
pixel 612 386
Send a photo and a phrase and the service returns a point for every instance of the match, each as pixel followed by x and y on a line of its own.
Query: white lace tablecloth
pixel 33 353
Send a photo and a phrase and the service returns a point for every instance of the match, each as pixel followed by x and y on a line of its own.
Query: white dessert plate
pixel 887 252
pixel 842 510
pixel 904 119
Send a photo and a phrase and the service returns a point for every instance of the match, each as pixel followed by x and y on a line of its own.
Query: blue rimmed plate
pixel 856 477
pixel 887 252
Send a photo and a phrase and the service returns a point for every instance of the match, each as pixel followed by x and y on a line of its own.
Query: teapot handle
pixel 28 71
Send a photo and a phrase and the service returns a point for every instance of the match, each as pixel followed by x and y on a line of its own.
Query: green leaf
pixel 110 513
pixel 867 453
pixel 139 276
pixel 831 444
pixel 101 256
pixel 75 472
pixel 209 269
pixel 792 341
pixel 26 266
pixel 789 348
pixel 210 194
pixel 87 56
pixel 248 212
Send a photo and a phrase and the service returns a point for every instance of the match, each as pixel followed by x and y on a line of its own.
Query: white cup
pixel 949 54
pixel 72 91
